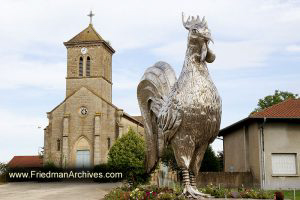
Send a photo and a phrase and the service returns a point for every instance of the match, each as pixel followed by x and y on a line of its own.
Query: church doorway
pixel 83 153
pixel 82 159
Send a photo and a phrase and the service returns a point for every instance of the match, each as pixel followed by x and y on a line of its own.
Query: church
pixel 86 124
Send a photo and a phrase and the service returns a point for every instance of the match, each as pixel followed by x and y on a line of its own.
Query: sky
pixel 256 42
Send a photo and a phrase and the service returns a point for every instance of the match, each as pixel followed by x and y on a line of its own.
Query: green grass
pixel 289 194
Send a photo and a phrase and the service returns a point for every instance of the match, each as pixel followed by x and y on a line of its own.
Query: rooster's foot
pixel 193 193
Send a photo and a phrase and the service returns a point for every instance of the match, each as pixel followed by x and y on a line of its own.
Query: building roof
pixel 139 118
pixel 286 110
pixel 133 119
pixel 25 161
pixel 88 36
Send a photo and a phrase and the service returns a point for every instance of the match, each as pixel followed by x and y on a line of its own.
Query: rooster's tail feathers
pixel 155 84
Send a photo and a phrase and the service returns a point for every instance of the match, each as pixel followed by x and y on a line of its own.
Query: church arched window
pixel 58 144
pixel 80 66
pixel 108 143
pixel 88 66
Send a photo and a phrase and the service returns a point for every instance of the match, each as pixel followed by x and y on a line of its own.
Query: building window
pixel 80 66
pixel 284 164
pixel 88 66
pixel 58 144
pixel 108 143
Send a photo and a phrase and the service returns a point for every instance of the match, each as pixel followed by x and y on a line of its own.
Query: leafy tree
pixel 210 162
pixel 221 160
pixel 277 97
pixel 128 155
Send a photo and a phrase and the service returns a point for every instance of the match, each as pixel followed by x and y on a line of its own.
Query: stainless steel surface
pixel 183 113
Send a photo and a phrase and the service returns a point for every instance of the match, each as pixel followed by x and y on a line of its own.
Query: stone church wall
pixel 53 133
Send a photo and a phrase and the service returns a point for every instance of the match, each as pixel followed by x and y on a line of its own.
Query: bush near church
pixel 105 168
pixel 3 171
pixel 128 155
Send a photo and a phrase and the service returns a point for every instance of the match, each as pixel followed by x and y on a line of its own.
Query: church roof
pixel 88 36
pixel 139 118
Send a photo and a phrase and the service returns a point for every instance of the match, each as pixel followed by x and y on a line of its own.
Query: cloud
pixel 240 94
pixel 172 53
pixel 18 73
pixel 19 134
pixel 293 48
pixel 230 55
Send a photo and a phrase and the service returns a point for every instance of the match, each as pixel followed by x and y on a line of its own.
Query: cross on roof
pixel 91 16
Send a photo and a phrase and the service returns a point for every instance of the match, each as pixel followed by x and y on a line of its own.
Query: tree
pixel 277 97
pixel 221 160
pixel 128 155
pixel 210 162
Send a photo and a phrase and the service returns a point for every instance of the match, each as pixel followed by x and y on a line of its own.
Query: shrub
pixel 148 192
pixel 49 166
pixel 118 193
pixel 166 196
pixel 3 168
pixel 3 172
pixel 105 168
pixel 128 155
pixel 240 193
pixel 216 192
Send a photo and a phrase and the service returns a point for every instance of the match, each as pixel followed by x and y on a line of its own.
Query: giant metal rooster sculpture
pixel 183 113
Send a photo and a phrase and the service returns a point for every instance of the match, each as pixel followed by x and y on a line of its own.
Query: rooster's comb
pixel 194 22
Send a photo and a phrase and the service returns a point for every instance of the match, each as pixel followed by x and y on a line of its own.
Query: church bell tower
pixel 89 63
pixel 84 126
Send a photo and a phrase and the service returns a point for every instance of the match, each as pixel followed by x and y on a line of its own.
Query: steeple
pixel 89 63
pixel 88 36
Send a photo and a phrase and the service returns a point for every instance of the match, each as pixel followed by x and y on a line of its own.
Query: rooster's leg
pixel 188 190
pixel 186 177
pixel 192 179
pixel 186 183
pixel 194 186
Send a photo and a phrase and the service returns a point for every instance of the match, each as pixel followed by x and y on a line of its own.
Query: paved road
pixel 55 191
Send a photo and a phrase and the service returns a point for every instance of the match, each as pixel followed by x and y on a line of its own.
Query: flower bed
pixel 153 192
pixel 145 193
pixel 245 193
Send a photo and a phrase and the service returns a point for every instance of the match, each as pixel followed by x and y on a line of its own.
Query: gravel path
pixel 55 191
